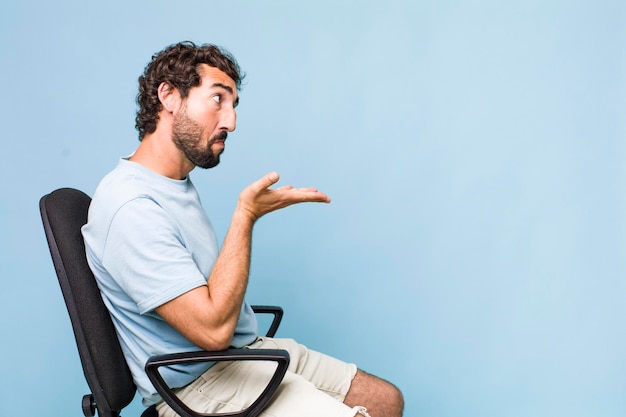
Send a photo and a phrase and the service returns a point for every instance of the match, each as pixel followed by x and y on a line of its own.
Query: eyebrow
pixel 227 88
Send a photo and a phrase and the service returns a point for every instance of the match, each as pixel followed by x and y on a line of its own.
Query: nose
pixel 229 119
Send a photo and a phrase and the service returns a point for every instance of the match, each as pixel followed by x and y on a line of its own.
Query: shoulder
pixel 126 182
pixel 122 187
pixel 130 182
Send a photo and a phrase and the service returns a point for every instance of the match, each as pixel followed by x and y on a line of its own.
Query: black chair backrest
pixel 64 212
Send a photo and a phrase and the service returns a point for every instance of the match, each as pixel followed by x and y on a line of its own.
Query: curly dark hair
pixel 177 65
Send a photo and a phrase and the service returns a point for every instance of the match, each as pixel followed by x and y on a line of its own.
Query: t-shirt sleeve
pixel 145 254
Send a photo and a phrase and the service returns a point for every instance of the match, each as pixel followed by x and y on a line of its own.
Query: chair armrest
pixel 281 357
pixel 278 316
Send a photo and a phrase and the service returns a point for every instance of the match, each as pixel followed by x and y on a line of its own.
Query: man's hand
pixel 258 199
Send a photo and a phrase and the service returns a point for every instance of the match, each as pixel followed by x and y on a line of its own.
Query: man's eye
pixel 217 98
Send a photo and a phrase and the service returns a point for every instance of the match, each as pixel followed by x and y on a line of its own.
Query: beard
pixel 188 137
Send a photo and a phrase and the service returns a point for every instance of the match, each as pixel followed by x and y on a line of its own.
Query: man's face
pixel 205 117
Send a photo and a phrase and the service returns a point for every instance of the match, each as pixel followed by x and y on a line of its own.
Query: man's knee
pixel 381 397
pixel 396 398
pixel 393 397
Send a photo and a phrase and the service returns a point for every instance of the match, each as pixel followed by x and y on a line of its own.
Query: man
pixel 155 256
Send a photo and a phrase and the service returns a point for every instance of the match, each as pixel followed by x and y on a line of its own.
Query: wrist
pixel 242 213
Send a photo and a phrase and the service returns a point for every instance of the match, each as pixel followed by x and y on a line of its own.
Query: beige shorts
pixel 314 385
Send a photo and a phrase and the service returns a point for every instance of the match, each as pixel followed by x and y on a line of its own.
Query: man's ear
pixel 169 96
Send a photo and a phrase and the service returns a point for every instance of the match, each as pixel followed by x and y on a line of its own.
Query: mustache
pixel 221 136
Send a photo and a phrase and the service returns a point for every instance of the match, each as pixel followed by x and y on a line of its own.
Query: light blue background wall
pixel 474 251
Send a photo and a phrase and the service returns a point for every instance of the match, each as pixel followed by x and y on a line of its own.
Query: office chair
pixel 64 212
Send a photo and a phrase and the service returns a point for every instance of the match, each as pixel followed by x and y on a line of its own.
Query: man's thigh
pixel 326 373
pixel 314 385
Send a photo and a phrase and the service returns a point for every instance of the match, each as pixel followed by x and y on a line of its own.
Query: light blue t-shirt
pixel 148 240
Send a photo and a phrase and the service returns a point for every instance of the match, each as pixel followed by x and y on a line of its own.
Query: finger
pixel 306 189
pixel 267 181
pixel 310 196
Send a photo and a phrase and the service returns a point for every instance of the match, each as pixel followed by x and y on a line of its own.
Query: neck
pixel 158 153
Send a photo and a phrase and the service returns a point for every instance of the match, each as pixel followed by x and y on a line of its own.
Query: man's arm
pixel 208 315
